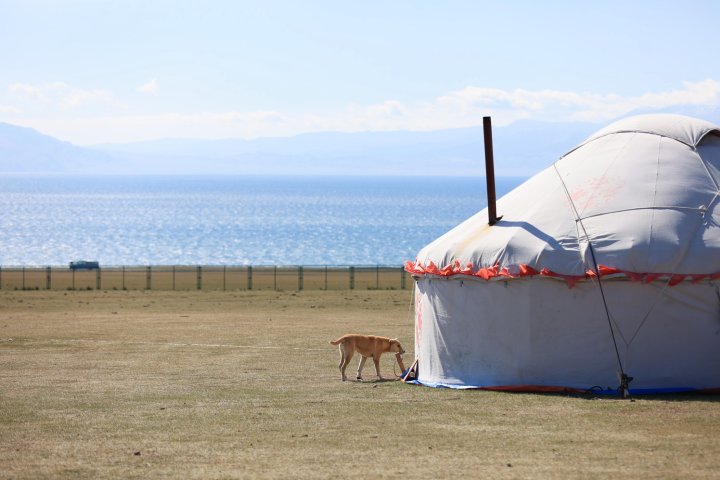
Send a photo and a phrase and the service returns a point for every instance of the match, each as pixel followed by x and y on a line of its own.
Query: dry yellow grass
pixel 117 384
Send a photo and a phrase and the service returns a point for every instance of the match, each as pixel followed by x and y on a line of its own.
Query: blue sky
pixel 95 71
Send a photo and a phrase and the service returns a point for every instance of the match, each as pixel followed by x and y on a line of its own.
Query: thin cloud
pixel 132 128
pixel 149 87
pixel 556 105
pixel 9 110
pixel 467 106
pixel 62 95
pixel 460 108
pixel 31 91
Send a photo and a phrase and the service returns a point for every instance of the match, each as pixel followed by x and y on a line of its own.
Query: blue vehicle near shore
pixel 84 265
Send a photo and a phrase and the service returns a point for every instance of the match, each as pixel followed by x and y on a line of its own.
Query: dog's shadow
pixel 378 380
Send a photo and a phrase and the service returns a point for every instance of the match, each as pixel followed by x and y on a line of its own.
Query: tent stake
pixel 490 172
pixel 411 373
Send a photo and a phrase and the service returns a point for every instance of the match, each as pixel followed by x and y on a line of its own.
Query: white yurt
pixel 604 267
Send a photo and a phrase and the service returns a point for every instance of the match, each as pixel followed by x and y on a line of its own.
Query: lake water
pixel 230 220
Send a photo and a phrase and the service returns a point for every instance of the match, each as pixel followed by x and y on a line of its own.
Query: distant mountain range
pixel 521 149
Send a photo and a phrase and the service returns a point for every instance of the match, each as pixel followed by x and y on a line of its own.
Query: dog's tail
pixel 338 341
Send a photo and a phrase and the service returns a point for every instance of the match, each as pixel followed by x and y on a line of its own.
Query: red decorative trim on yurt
pixel 417 268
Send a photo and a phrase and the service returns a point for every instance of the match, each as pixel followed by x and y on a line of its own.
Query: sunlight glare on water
pixel 226 220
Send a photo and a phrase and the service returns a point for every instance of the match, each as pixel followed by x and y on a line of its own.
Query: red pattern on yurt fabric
pixel 417 268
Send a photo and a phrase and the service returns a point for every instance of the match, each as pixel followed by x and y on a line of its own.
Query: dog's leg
pixel 360 367
pixel 346 355
pixel 376 360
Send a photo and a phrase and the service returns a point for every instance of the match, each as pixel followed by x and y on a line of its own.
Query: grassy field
pixel 162 384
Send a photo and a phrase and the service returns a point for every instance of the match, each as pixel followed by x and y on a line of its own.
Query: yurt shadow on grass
pixel 679 397
pixel 603 274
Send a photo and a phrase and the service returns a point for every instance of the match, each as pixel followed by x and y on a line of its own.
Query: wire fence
pixel 199 277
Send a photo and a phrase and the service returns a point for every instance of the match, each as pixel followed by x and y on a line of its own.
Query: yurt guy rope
pixel 624 378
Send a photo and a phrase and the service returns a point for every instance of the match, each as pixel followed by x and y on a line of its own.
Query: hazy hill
pixel 25 150
pixel 522 148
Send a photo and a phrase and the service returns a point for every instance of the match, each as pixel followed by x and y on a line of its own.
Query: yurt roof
pixel 638 199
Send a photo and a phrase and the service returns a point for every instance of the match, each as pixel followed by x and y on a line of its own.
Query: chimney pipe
pixel 490 172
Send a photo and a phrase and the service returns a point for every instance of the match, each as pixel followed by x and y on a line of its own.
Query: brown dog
pixel 367 346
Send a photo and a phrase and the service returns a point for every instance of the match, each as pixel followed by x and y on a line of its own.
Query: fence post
pixel 300 277
pixel 98 282
pixel 123 278
pixel 402 278
pixel 275 278
pixel 1 278
pixel 352 278
pixel 249 279
pixel 224 277
pixel 23 278
pixel 377 277
pixel 48 279
pixel 73 279
pixel 173 274
pixel 148 279
pixel 199 277
pixel 326 286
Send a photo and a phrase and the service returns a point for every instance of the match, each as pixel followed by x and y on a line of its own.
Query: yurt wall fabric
pixel 518 334
pixel 520 302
